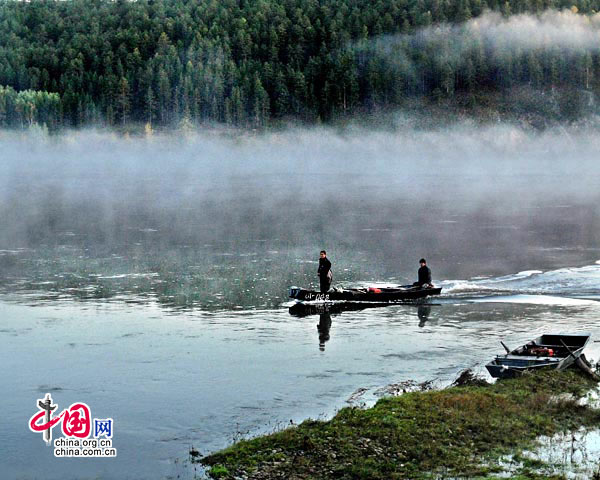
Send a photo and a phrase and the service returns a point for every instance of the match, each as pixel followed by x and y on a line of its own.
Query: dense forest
pixel 250 62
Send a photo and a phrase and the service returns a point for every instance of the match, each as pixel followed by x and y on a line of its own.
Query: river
pixel 155 290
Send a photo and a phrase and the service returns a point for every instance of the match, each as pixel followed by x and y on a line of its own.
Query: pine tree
pixel 123 100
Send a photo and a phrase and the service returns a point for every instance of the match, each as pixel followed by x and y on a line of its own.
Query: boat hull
pixel 557 351
pixel 377 295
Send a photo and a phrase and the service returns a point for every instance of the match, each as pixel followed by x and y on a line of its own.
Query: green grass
pixel 455 432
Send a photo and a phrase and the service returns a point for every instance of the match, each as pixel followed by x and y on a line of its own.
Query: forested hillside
pixel 248 62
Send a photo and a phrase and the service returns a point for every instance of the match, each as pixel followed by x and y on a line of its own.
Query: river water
pixel 158 296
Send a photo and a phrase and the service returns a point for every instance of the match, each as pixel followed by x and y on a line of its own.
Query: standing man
pixel 424 275
pixel 324 272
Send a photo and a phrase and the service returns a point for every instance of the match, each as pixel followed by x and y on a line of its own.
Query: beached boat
pixel 558 350
pixel 400 293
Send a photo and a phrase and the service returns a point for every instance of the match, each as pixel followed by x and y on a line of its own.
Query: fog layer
pixel 565 37
pixel 496 196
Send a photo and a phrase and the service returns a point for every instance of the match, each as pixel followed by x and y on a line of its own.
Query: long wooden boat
pixel 555 350
pixel 401 293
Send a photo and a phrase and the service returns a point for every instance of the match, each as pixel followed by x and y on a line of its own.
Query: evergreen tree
pixel 159 61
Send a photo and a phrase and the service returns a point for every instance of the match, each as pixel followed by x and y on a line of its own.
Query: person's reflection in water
pixel 323 327
pixel 423 313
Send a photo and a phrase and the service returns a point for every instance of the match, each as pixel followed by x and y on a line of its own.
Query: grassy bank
pixel 456 432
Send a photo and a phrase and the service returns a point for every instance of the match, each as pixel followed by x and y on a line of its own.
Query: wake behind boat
pixel 401 293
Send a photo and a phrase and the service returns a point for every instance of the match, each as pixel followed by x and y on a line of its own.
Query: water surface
pixel 149 278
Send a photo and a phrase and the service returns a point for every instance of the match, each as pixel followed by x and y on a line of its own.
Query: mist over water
pixel 157 269
pixel 224 219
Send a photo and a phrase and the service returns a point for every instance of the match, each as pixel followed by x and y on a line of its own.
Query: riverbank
pixel 461 431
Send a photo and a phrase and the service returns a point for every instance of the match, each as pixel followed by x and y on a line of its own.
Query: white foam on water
pixel 569 282
pixel 460 286
pixel 513 277
pixel 535 300
pixel 127 275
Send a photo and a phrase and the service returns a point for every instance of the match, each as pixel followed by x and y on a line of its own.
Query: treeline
pixel 28 107
pixel 246 62
pixel 445 62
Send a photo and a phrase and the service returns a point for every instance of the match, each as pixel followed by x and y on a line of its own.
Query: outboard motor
pixel 294 292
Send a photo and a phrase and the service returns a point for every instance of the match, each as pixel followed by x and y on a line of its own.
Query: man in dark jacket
pixel 324 274
pixel 424 275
